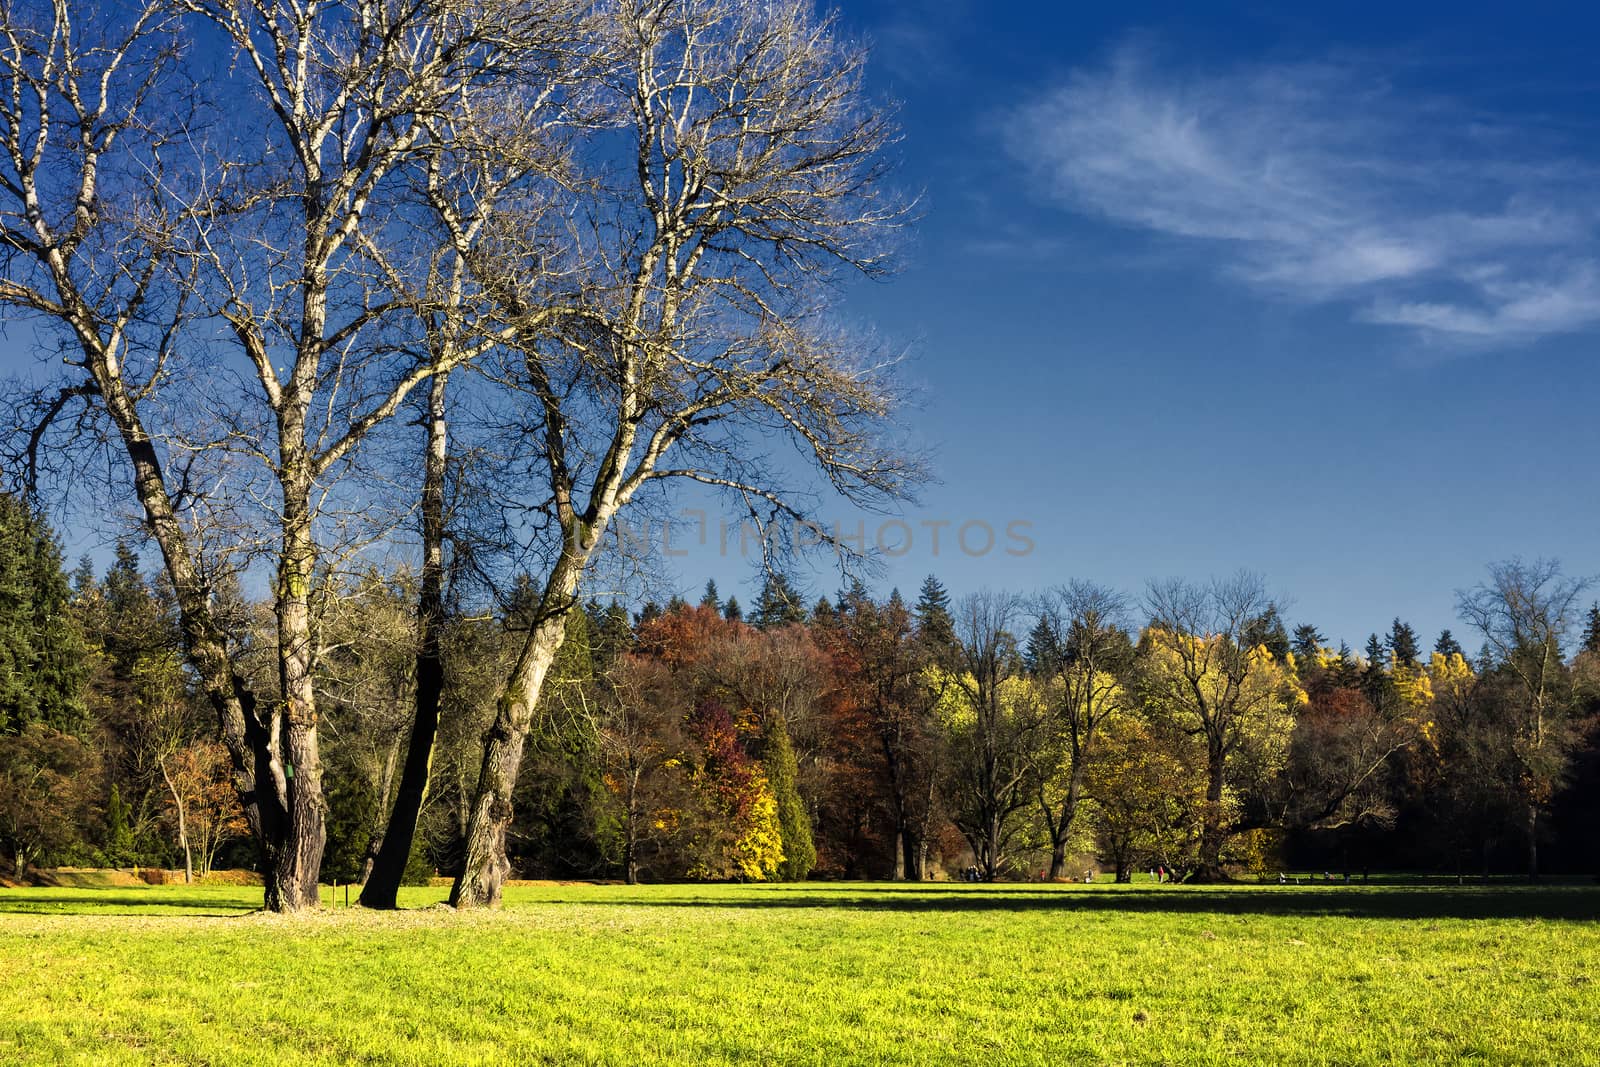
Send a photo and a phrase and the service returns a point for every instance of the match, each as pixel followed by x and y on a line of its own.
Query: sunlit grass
pixel 812 974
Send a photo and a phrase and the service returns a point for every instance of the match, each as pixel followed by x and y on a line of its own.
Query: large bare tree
pixel 735 171
pixel 1525 612
pixel 256 212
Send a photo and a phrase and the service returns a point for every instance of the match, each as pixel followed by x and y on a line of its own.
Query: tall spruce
pixel 778 605
pixel 1448 646
pixel 1306 643
pixel 44 661
pixel 1591 631
pixel 1403 644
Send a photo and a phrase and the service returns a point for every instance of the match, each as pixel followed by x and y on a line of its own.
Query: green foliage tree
pixel 44 662
pixel 778 605
pixel 794 824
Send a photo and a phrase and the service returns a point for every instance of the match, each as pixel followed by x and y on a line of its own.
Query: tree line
pixel 857 736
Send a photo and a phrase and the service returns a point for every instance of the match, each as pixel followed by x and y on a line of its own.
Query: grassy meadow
pixel 812 974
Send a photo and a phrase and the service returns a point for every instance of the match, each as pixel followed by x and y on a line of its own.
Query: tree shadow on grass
pixel 1527 902
pixel 111 902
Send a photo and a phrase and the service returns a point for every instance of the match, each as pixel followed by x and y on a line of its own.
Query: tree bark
pixel 388 868
pixel 183 826
pixel 486 868
pixel 1212 830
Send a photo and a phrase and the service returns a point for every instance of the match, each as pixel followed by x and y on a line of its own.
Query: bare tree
pixel 738 171
pixel 1085 676
pixel 140 240
pixel 992 733
pixel 1525 612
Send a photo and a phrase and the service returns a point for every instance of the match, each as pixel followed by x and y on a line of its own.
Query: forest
pixel 995 736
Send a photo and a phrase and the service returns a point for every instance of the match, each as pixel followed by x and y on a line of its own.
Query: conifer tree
pixel 1448 646
pixel 1403 644
pixel 1308 640
pixel 1591 631
pixel 794 825
pixel 44 660
pixel 709 598
pixel 732 611
pixel 778 604
pixel 936 630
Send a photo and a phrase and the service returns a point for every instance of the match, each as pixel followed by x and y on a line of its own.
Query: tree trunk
pixel 248 740
pixel 1212 832
pixel 1058 861
pixel 306 832
pixel 183 825
pixel 1533 842
pixel 388 868
pixel 485 868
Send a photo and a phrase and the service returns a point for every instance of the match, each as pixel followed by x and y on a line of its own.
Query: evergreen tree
pixel 1308 640
pixel 1043 652
pixel 1403 644
pixel 1591 631
pixel 1448 646
pixel 732 611
pixel 612 635
pixel 1345 674
pixel 44 659
pixel 794 825
pixel 709 598
pixel 1376 682
pixel 119 850
pixel 822 613
pixel 778 604
pixel 1267 631
pixel 648 614
pixel 936 630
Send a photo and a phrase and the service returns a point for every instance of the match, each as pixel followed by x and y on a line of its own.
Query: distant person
pixel 1161 874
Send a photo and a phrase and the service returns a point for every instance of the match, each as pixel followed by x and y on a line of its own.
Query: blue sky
pixel 1311 292
pixel 1306 290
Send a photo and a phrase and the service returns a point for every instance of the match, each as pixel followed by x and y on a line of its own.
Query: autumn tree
pixel 742 169
pixel 1198 672
pixel 991 719
pixel 1525 612
pixel 1082 656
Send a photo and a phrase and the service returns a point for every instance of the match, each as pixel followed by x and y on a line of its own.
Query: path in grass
pixel 809 974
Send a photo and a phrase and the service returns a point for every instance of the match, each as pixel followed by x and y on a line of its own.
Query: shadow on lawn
pixel 111 902
pixel 1527 902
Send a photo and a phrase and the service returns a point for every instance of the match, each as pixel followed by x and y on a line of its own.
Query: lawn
pixel 814 974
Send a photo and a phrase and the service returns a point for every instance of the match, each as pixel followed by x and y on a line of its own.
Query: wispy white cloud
pixel 1324 182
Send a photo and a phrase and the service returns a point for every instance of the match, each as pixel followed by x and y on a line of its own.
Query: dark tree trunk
pixel 1212 832
pixel 388 868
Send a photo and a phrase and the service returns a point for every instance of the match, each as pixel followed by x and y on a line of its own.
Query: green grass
pixel 809 975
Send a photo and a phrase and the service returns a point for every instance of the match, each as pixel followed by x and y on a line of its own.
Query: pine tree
pixel 1591 631
pixel 936 630
pixel 794 825
pixel 1266 631
pixel 1043 652
pixel 709 598
pixel 732 611
pixel 1308 641
pixel 1448 646
pixel 1403 644
pixel 778 605
pixel 44 659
